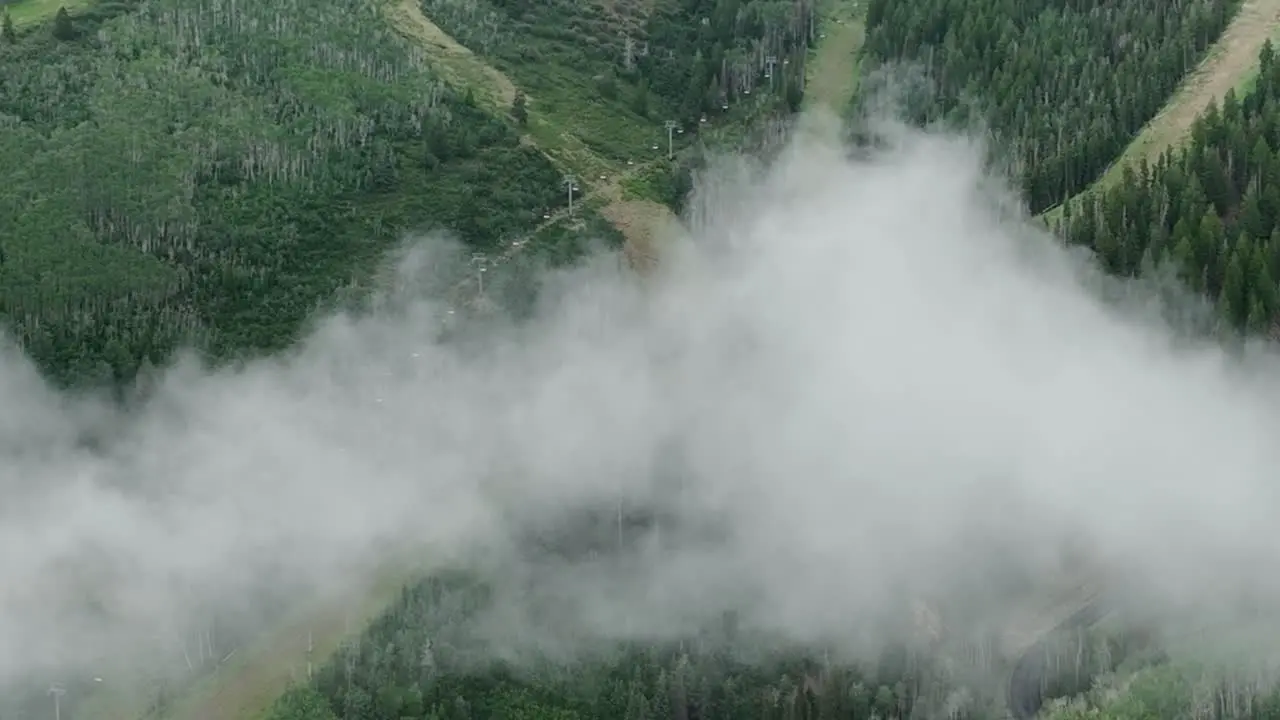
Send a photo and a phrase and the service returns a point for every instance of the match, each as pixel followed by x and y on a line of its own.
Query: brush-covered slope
pixel 209 172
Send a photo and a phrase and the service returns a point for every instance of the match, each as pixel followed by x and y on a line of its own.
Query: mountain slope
pixel 832 78
pixel 455 62
pixel 233 249
pixel 337 133
pixel 1229 65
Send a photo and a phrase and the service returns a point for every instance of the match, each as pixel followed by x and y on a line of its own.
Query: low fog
pixel 850 384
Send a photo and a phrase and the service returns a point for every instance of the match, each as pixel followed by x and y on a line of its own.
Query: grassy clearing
pixel 832 73
pixel 33 11
pixel 1232 63
pixel 458 64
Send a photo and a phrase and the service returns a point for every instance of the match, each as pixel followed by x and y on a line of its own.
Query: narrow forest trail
pixel 638 220
pixel 1059 603
pixel 1229 64
pixel 462 68
pixel 1028 680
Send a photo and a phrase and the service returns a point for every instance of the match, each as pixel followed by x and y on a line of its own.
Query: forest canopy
pixel 213 172
pixel 1064 85
pixel 210 172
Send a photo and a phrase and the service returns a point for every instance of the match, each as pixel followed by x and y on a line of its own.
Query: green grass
pixel 832 72
pixel 1249 81
pixel 648 183
pixel 33 11
pixel 570 101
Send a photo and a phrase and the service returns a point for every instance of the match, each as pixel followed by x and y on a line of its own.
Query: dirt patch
pixel 1229 61
pixel 459 65
pixel 643 223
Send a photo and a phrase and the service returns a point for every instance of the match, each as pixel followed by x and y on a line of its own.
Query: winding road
pixel 1029 679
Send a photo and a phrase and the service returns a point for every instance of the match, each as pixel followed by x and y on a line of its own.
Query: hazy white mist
pixel 855 381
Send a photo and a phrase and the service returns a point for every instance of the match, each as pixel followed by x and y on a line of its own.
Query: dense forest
pixel 613 71
pixel 1170 690
pixel 1211 209
pixel 210 172
pixel 1064 85
pixel 426 659
pixel 429 657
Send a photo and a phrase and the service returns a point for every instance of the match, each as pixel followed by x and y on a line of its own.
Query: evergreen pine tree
pixel 1232 301
pixel 62 27
pixel 519 109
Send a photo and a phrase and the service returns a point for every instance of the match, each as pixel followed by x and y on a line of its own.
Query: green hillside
pixel 158 192
pixel 256 129
pixel 214 173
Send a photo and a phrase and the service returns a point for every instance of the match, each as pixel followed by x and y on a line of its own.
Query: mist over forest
pixel 781 359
